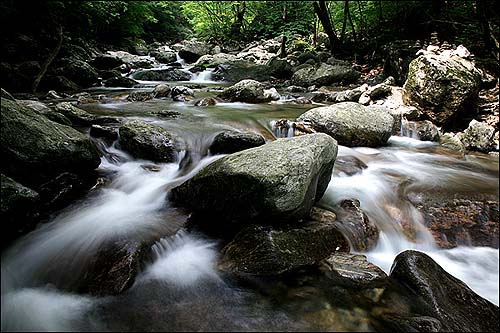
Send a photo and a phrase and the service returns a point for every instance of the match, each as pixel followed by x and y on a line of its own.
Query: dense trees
pixel 349 25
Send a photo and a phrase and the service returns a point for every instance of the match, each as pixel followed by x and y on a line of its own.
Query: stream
pixel 181 288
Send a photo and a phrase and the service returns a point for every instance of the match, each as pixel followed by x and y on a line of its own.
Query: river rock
pixel 442 87
pixel 161 90
pixel 353 270
pixel 132 60
pixel 18 208
pixel 261 250
pixel 191 50
pixel 452 141
pixel 181 90
pixel 169 74
pixel 348 165
pixel 355 225
pixel 324 75
pixel 229 142
pixel 215 59
pixel 166 57
pixel 139 96
pixel 147 141
pixel 206 101
pixel 105 132
pixel 431 291
pixel 249 91
pixel 37 149
pixel 237 70
pixel 425 130
pixel 36 106
pixel 76 115
pixel 281 179
pixel 120 81
pixel 479 136
pixel 113 268
pixel 352 124
pixel 58 83
pixel 279 68
pixel 106 62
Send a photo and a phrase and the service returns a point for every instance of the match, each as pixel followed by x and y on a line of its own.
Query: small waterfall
pixel 203 77
pixel 282 128
pixel 409 129
pixel 179 59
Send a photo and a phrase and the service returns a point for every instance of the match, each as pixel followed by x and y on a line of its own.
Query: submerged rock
pixel 229 142
pixel 139 96
pixel 113 269
pixel 281 179
pixel 206 101
pixel 356 226
pixel 431 291
pixel 263 250
pixel 147 141
pixel 352 124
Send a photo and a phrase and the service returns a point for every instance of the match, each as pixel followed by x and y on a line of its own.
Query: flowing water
pixel 181 289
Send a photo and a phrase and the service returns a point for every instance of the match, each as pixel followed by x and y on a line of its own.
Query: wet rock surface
pixel 231 142
pixel 263 250
pixel 431 291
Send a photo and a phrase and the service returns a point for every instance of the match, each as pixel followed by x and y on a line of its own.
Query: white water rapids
pixel 134 204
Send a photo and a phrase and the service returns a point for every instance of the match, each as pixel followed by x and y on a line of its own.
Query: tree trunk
pixel 324 18
pixel 344 22
pixel 49 60
pixel 350 22
pixel 361 20
pixel 490 40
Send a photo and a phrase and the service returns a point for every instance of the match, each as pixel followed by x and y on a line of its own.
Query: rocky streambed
pixel 197 205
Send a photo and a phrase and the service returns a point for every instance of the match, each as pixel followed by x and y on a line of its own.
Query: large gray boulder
pixel 430 291
pixel 352 124
pixel 147 141
pixel 36 149
pixel 261 250
pixel 442 86
pixel 281 179
pixel 78 71
pixel 237 70
pixel 249 91
pixel 324 75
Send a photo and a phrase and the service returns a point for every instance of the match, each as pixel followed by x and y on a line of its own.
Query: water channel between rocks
pixel 181 288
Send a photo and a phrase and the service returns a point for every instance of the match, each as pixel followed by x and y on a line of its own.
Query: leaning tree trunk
pixel 49 60
pixel 324 18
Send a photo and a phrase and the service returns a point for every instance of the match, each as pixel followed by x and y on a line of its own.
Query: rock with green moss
pixel 324 75
pixel 281 179
pixel 352 124
pixel 36 149
pixel 262 250
pixel 442 87
pixel 146 141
